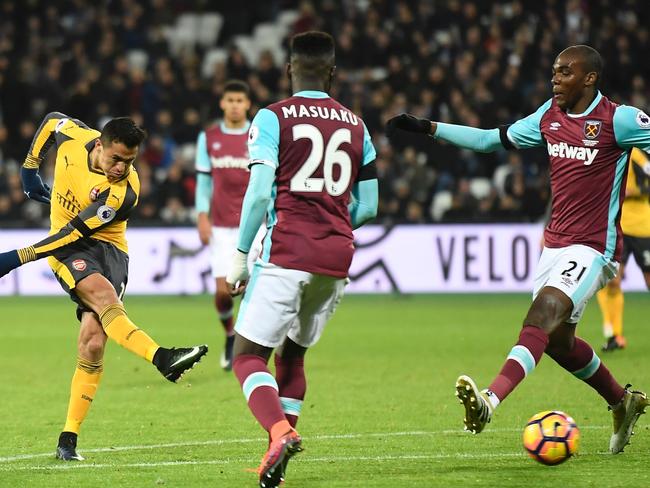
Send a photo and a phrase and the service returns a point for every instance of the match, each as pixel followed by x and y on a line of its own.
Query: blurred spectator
pixel 470 62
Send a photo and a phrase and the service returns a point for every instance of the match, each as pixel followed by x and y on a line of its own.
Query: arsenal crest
pixel 94 193
pixel 592 128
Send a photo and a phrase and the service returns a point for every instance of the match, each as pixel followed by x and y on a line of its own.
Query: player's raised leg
pixel 85 381
pixel 97 293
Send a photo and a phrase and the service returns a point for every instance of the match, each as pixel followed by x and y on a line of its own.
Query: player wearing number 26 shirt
pixel 313 177
pixel 589 139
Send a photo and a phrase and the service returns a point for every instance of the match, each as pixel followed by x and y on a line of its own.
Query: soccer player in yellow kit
pixel 635 223
pixel 95 188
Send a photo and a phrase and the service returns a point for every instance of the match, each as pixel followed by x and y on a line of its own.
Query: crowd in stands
pixel 165 62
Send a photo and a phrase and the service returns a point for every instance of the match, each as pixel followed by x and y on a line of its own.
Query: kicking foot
pixel 173 363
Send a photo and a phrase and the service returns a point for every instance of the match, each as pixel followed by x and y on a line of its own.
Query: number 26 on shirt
pixel 331 156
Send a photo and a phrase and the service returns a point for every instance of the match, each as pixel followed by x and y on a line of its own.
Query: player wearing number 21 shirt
pixel 313 177
pixel 589 139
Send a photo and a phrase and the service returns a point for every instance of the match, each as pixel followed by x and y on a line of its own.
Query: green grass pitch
pixel 380 409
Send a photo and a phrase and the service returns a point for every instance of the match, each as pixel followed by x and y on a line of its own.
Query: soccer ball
pixel 551 437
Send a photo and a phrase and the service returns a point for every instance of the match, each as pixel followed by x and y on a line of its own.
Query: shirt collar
pixel 598 98
pixel 241 130
pixel 311 94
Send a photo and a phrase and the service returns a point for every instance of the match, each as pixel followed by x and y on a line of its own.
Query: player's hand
pixel 33 185
pixel 408 123
pixel 205 228
pixel 238 274
pixel 8 261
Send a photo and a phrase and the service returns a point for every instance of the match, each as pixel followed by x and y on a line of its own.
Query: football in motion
pixel 551 437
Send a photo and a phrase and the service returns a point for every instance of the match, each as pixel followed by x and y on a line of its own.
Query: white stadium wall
pixel 405 259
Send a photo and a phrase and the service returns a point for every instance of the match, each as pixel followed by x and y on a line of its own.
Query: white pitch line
pixel 405 457
pixel 68 466
pixel 217 442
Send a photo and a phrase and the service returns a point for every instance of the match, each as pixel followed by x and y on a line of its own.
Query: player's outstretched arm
pixel 253 212
pixel 9 261
pixel 480 140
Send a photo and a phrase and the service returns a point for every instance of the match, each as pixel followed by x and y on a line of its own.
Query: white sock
pixel 492 399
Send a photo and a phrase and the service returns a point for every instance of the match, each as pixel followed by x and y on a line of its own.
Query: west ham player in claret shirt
pixel 589 139
pixel 221 181
pixel 314 179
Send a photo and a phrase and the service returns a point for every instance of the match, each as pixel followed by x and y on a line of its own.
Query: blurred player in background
pixel 95 188
pixel 313 176
pixel 222 177
pixel 635 224
pixel 589 140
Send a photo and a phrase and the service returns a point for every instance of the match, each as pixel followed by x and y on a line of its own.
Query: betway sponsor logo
pixel 327 113
pixel 229 162
pixel 563 150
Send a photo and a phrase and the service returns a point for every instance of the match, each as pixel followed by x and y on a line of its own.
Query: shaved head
pixel 592 62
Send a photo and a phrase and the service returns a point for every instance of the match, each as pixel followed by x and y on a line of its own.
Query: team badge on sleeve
pixel 592 128
pixel 642 119
pixel 253 132
pixel 105 213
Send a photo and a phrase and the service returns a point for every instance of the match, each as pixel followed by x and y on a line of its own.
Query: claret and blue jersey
pixel 588 155
pixel 308 156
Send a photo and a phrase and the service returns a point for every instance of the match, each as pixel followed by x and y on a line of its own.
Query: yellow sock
pixel 119 327
pixel 82 391
pixel 616 310
pixel 603 301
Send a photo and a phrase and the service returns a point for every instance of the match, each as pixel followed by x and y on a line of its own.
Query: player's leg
pixel 566 278
pixel 270 305
pixel 98 294
pixel 578 357
pixel 291 379
pixel 610 300
pixel 320 298
pixel 222 246
pixel 550 308
pixel 225 306
pixel 85 381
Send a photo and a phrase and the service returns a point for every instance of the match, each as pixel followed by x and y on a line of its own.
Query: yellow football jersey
pixel 84 203
pixel 635 217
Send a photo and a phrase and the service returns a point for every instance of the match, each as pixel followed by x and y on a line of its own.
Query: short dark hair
pixel 313 53
pixel 237 86
pixel 593 60
pixel 124 130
